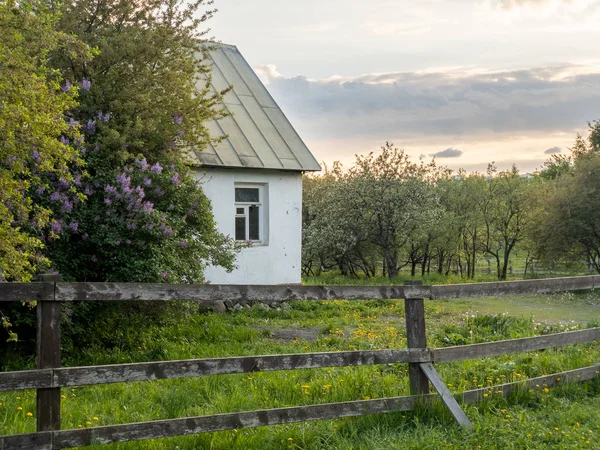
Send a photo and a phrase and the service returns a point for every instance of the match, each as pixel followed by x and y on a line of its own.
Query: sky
pixel 468 81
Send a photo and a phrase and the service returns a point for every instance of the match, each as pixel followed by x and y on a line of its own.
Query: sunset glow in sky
pixel 471 81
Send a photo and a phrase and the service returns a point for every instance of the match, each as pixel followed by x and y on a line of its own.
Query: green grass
pixel 564 417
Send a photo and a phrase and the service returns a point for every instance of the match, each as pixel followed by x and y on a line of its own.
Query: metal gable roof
pixel 257 133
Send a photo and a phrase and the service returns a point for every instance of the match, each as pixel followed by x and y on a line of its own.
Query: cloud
pixel 510 4
pixel 457 103
pixel 448 153
pixel 552 151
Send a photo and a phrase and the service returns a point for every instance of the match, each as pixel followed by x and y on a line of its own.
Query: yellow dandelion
pixel 95 418
pixel 89 423
pixel 290 439
pixel 19 408
pixel 79 426
pixel 63 396
pixel 29 414
pixel 0 403
pixel 546 390
pixel 326 386
pixel 305 386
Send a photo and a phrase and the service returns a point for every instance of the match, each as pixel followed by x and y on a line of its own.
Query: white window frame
pixel 261 213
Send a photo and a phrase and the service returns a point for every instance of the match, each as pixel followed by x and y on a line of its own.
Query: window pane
pixel 239 210
pixel 240 228
pixel 247 195
pixel 254 220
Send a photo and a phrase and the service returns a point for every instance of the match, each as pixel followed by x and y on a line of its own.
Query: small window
pixel 248 214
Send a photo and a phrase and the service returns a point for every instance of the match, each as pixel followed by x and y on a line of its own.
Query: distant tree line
pixel 387 213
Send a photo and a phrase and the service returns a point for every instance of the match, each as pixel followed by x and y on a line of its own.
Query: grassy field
pixel 564 417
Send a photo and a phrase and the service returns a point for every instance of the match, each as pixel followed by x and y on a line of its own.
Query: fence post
pixel 48 356
pixel 415 338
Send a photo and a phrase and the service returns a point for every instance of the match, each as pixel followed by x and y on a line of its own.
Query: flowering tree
pixel 33 159
pixel 145 218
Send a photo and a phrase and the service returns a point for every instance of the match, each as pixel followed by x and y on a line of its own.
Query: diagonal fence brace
pixel 446 395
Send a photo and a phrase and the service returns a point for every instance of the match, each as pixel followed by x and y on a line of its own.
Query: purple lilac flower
pixel 172 166
pixel 159 192
pixel 110 189
pixel 74 226
pixel 147 181
pixel 77 181
pixel 118 242
pixel 73 123
pixel 66 86
pixel 107 200
pixel 67 206
pixel 90 127
pixel 147 207
pixel 79 140
pixel 96 219
pixel 164 275
pixel 88 191
pixel 11 159
pixel 140 191
pixel 142 164
pixel 149 225
pixel 40 190
pixel 178 119
pixel 35 155
pixel 64 140
pixel 167 231
pixel 156 168
pixel 123 179
pixel 86 84
pixel 131 225
pixel 55 196
pixel 85 236
pixel 175 179
pixel 56 227
pixel 184 244
pixel 128 169
pixel 103 117
pixel 180 133
pixel 96 149
pixel 64 183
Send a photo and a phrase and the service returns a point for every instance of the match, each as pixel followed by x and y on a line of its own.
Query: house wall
pixel 278 259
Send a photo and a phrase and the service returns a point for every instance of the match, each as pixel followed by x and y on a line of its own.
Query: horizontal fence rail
pixel 161 370
pixel 50 377
pixel 69 292
pixel 220 422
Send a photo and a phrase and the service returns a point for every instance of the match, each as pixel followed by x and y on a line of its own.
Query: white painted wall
pixel 278 259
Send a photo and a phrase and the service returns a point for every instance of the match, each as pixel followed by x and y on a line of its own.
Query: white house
pixel 253 177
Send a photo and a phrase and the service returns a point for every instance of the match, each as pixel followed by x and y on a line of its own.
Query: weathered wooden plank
pixel 209 292
pixel 537 383
pixel 487 349
pixel 25 379
pixel 219 422
pixel 117 373
pixel 446 395
pixel 31 441
pixel 414 308
pixel 21 292
pixel 544 286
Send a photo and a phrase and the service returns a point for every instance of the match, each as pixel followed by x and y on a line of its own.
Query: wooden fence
pixel 49 377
